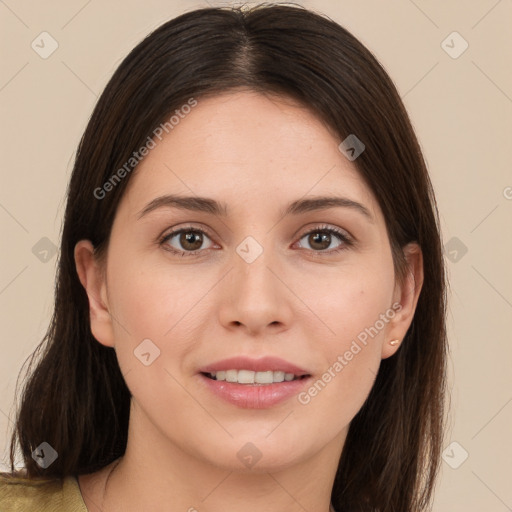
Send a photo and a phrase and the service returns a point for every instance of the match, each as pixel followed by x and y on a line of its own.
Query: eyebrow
pixel 208 205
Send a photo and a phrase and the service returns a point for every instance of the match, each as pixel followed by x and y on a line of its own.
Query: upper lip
pixel 262 364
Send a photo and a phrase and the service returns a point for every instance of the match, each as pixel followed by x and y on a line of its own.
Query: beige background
pixel 462 111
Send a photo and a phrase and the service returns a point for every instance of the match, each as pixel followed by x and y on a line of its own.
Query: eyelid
pixel 328 227
pixel 346 238
pixel 177 230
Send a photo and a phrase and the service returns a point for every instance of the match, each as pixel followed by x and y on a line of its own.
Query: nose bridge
pixel 252 262
pixel 255 295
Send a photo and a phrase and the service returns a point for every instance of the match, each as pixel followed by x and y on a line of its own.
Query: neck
pixel 155 474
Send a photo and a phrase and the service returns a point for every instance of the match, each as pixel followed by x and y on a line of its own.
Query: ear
pixel 405 299
pixel 93 280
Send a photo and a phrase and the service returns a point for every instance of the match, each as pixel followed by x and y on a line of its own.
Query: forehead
pixel 245 146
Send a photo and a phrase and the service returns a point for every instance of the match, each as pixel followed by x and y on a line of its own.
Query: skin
pixel 295 301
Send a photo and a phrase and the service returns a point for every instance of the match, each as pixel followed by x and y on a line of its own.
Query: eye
pixel 189 241
pixel 321 237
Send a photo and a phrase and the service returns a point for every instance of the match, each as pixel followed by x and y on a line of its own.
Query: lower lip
pixel 250 396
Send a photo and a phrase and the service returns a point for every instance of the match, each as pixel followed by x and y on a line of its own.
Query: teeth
pixel 279 376
pixel 232 375
pixel 246 377
pixel 250 377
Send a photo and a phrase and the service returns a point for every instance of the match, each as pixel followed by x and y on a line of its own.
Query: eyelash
pixel 347 242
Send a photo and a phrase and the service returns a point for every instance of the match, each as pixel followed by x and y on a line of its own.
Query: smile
pixel 252 377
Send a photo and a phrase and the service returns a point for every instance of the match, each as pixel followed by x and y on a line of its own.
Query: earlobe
pixel 407 295
pixel 92 279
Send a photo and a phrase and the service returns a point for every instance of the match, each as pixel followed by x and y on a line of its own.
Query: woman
pixel 250 308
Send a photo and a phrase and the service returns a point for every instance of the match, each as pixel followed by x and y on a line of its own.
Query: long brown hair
pixel 75 397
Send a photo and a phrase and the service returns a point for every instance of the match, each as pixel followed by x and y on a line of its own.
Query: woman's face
pixel 262 276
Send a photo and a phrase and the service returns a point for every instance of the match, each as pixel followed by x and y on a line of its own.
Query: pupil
pixel 319 237
pixel 189 237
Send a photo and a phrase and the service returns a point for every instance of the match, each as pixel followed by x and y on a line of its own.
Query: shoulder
pixel 21 494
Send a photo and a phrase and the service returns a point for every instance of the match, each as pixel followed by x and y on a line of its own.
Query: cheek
pixel 147 303
pixel 350 301
pixel 351 308
pixel 152 330
pixel 151 297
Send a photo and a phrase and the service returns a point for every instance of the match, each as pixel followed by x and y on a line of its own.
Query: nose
pixel 256 297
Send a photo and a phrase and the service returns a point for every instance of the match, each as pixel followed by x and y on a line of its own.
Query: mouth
pixel 254 378
pixel 250 383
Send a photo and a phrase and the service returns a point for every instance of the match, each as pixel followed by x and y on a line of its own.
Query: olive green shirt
pixel 19 494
